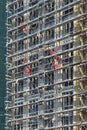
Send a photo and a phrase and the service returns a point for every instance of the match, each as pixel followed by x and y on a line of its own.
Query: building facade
pixel 2 62
pixel 46 65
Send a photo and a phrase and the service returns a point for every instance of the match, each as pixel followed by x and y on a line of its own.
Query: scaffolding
pixel 46 65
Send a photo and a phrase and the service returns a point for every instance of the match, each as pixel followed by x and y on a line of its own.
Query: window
pixel 33 107
pixel 50 106
pixel 20 45
pixel 68 73
pixel 34 68
pixel 65 2
pixel 33 82
pixel 34 40
pixel 49 64
pixel 33 14
pixel 49 123
pixel 49 21
pixel 49 6
pixel 20 5
pixel 34 27
pixel 49 34
pixel 33 57
pixel 68 28
pixel 67 14
pixel 19 112
pixel 49 78
pixel 68 100
pixel 20 19
pixel 67 57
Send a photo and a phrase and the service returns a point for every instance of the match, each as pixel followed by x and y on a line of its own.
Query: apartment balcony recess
pixel 20 35
pixel 33 85
pixel 33 57
pixel 34 41
pixel 19 74
pixel 66 32
pixel 49 22
pixel 33 19
pixel 34 45
pixel 67 61
pixel 34 30
pixel 49 6
pixel 35 14
pixel 68 16
pixel 19 9
pixel 34 70
pixel 49 66
pixel 49 37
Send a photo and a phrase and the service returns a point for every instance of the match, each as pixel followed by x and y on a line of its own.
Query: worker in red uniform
pixel 24 62
pixel 52 52
pixel 25 30
pixel 56 63
pixel 27 71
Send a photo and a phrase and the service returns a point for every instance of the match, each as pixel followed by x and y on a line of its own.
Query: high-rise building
pixel 2 62
pixel 46 65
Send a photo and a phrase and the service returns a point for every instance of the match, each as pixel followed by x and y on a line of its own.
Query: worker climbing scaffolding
pixel 52 52
pixel 56 59
pixel 25 30
pixel 26 68
pixel 27 71
pixel 56 63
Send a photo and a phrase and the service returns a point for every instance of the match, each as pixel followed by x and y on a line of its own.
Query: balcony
pixel 49 22
pixel 49 6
